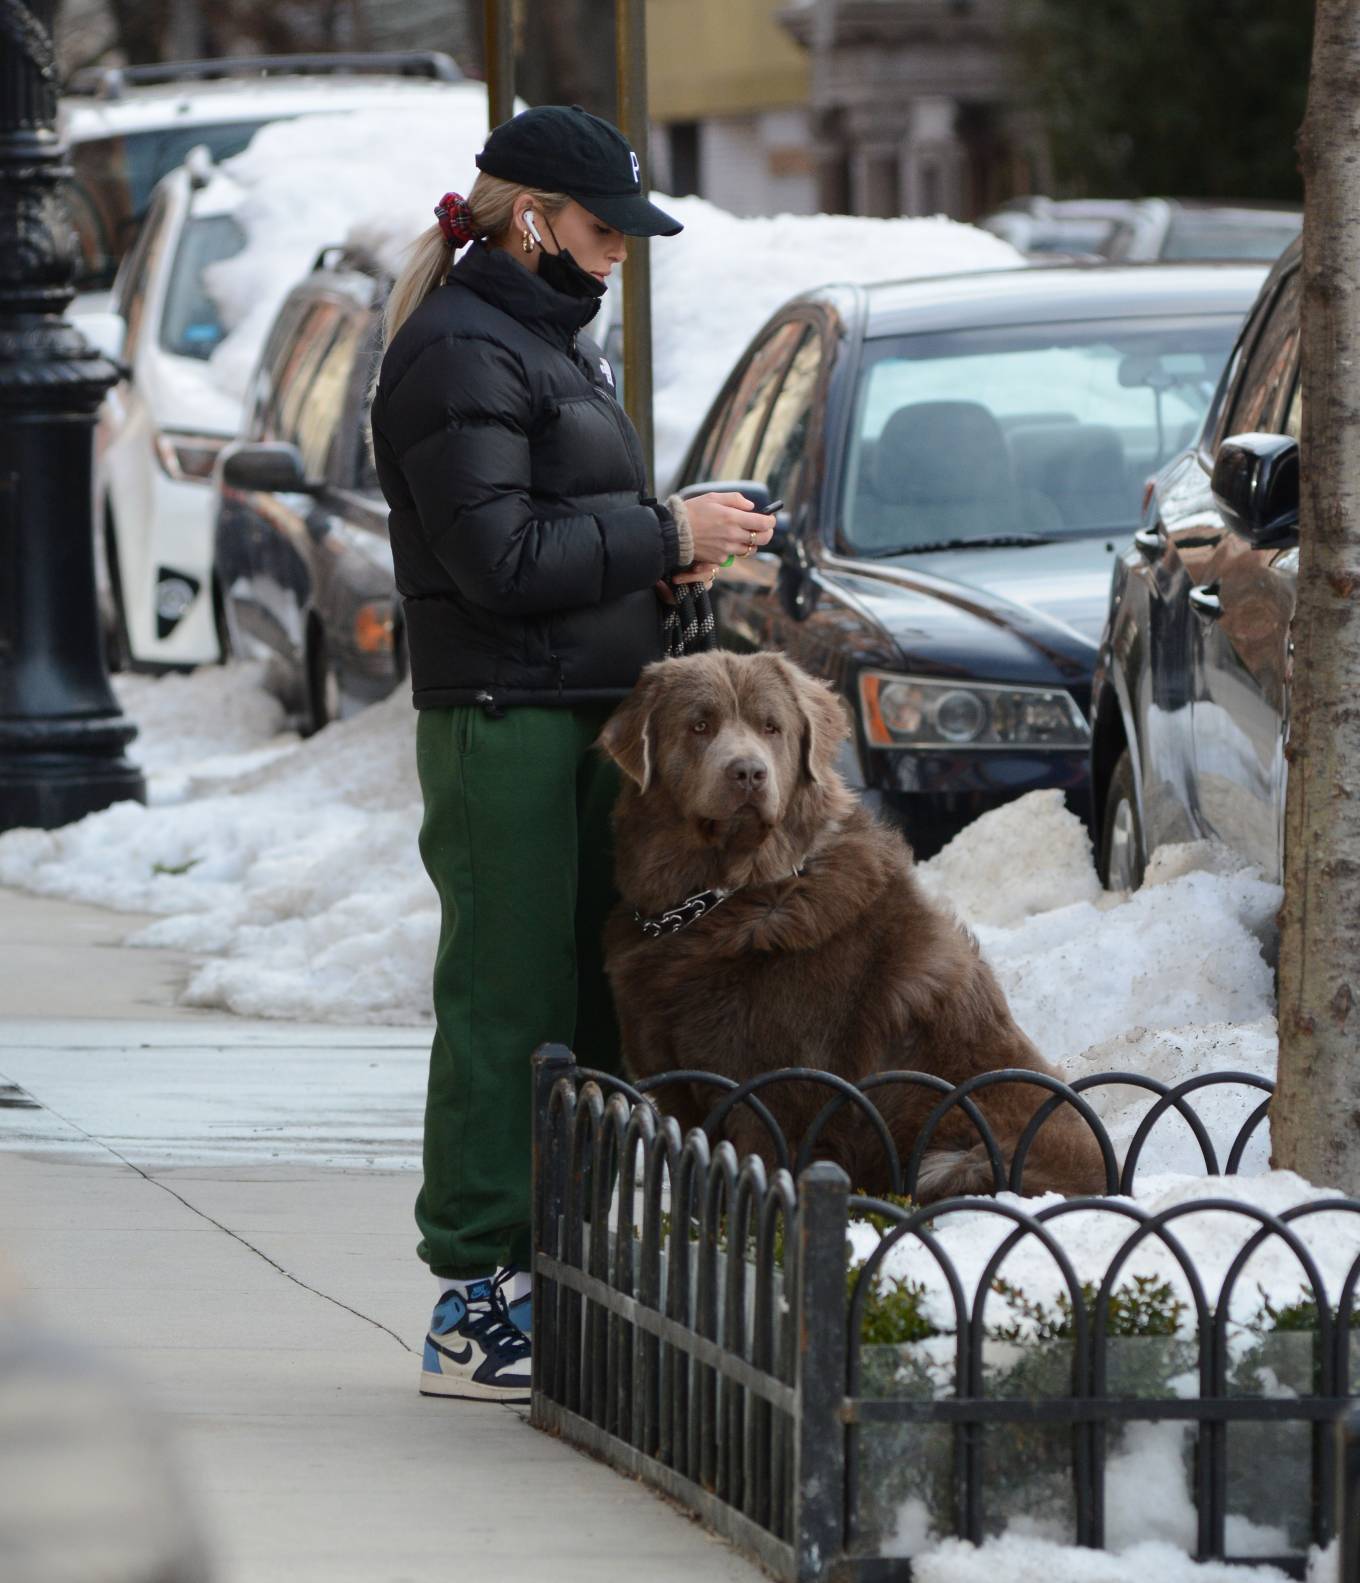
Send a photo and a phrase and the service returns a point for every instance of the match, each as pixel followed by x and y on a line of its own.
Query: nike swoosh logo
pixel 465 1356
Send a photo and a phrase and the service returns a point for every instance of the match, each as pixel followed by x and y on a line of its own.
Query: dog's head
pixel 732 740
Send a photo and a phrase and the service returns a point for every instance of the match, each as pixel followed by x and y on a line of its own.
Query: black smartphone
pixel 773 507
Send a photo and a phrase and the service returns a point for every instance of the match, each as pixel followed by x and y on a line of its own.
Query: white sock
pixel 520 1284
pixel 461 1287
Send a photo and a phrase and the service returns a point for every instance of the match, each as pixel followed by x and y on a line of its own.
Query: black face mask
pixel 561 271
pixel 564 274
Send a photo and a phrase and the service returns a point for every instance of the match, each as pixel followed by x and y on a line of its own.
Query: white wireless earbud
pixel 532 228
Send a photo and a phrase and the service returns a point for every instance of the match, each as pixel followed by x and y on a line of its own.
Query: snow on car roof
pixel 150 108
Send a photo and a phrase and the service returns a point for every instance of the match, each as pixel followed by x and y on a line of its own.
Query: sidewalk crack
pixel 33 1103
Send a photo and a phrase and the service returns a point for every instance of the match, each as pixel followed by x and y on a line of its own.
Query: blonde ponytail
pixel 492 202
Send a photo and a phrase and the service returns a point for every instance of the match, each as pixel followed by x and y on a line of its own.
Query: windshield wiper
pixel 995 541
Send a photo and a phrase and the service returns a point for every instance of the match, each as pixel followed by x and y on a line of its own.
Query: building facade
pixel 879 107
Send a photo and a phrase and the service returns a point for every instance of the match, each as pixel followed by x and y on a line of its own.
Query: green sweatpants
pixel 516 838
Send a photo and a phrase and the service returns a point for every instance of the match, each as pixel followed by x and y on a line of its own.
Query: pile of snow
pixel 372 177
pixel 1212 1237
pixel 1170 981
pixel 1024 1560
pixel 291 865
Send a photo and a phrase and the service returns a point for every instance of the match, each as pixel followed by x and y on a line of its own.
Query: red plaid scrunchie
pixel 454 214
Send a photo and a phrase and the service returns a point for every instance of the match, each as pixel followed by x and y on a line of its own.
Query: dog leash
pixel 693 908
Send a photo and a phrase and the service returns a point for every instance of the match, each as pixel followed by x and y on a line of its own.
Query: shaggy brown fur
pixel 848 967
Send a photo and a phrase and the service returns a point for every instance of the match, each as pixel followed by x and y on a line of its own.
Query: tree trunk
pixel 1315 1117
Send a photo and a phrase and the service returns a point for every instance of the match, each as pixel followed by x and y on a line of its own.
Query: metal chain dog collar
pixel 693 908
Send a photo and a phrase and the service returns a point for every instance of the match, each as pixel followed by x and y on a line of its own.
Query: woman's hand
pixel 724 524
pixel 701 572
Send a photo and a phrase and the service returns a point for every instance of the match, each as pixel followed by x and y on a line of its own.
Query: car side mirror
pixel 274 466
pixel 1255 484
pixel 759 496
pixel 107 334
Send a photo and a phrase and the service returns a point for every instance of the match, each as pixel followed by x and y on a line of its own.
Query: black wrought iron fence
pixel 836 1381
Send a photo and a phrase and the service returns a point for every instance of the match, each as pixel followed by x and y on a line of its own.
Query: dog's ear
pixel 825 725
pixel 627 734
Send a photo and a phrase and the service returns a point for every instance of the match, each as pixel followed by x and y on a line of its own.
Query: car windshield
pixel 112 180
pixel 191 325
pixel 1201 236
pixel 1028 431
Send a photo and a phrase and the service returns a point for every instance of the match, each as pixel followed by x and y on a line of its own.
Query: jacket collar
pixel 499 280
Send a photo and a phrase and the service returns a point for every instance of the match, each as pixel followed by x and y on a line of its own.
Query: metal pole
pixel 500 59
pixel 630 27
pixel 62 735
pixel 819 1450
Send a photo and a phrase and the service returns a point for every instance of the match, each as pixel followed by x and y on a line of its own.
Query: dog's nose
pixel 748 773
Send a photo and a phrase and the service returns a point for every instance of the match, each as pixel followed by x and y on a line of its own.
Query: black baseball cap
pixel 563 148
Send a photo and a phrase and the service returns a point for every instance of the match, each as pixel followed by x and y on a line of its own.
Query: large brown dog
pixel 827 952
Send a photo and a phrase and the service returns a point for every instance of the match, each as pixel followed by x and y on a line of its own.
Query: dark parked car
pixel 1192 685
pixel 302 565
pixel 959 457
pixel 1136 230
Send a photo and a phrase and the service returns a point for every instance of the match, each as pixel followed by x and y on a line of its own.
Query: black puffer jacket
pixel 524 554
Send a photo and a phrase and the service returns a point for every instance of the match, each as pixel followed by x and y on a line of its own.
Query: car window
pixel 1263 382
pixel 319 431
pixel 1046 429
pixel 1195 236
pixel 296 367
pixel 744 417
pixel 191 322
pixel 1293 420
pixel 112 181
pixel 708 444
pixel 366 366
pixel 780 454
pixel 1220 409
pixel 259 399
pixel 130 296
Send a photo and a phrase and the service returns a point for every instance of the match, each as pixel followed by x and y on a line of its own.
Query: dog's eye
pixel 699 727
pixel 772 728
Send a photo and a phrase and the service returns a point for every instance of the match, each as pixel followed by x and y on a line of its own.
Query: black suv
pixel 302 565
pixel 1191 687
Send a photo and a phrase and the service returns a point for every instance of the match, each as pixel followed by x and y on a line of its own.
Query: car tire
pixel 1122 859
pixel 322 701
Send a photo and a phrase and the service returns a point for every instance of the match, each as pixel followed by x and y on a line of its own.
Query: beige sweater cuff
pixel 685 534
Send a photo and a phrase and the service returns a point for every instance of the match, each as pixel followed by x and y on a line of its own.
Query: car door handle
pixel 1149 542
pixel 1204 601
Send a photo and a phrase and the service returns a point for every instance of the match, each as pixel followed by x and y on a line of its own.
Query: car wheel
pixel 1122 859
pixel 323 684
pixel 117 648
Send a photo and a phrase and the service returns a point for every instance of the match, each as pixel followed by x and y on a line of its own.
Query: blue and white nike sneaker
pixel 474 1350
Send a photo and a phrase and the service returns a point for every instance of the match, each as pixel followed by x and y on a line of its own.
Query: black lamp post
pixel 62 735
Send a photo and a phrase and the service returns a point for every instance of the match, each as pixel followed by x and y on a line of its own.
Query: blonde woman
pixel 527 555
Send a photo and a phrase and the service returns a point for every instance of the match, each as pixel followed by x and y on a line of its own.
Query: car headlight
pixel 913 712
pixel 188 457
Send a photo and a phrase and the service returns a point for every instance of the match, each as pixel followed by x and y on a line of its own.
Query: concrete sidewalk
pixel 223 1207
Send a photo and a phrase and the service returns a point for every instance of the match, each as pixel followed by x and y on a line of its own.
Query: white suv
pixel 161 427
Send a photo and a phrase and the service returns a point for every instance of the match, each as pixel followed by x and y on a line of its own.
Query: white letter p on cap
pixel 637 174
